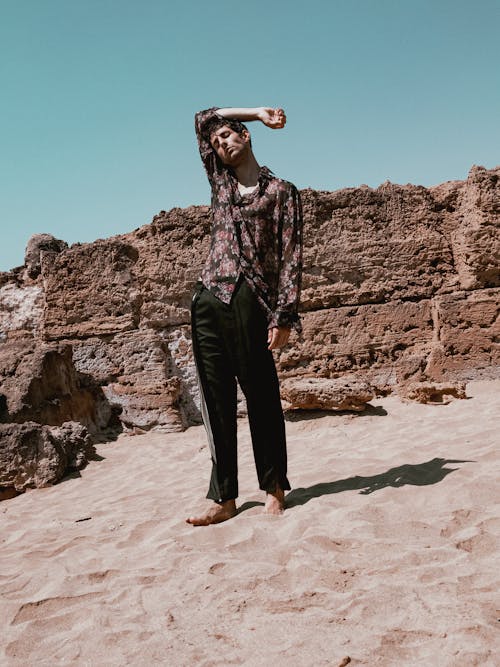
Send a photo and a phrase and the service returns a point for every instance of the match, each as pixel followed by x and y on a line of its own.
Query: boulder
pixel 432 392
pixel 42 385
pixel 308 393
pixel 36 246
pixel 34 455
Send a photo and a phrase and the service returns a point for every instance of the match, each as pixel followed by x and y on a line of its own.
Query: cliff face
pixel 401 284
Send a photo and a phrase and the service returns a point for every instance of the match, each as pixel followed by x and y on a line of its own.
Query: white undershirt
pixel 246 189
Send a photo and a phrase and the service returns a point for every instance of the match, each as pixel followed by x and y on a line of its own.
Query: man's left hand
pixel 277 337
pixel 273 118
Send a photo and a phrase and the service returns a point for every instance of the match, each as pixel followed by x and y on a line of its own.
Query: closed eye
pixel 221 135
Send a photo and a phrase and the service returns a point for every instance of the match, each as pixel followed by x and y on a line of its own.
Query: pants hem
pixel 219 501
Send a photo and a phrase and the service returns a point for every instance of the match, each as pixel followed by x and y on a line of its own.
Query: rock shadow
pixel 103 418
pixel 305 415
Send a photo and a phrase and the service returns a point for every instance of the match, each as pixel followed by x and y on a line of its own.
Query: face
pixel 230 146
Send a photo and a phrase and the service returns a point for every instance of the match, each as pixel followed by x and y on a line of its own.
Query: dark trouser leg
pixel 209 323
pixel 258 379
pixel 267 428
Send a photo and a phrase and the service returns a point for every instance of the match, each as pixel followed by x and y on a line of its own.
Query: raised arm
pixel 207 154
pixel 273 118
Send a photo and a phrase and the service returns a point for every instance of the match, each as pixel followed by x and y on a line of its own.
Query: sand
pixel 388 552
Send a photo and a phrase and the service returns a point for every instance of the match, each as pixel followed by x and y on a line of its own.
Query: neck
pixel 247 172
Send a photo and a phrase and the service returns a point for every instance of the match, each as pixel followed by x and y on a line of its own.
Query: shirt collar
pixel 265 175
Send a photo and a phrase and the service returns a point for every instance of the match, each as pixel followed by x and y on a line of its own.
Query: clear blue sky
pixel 98 98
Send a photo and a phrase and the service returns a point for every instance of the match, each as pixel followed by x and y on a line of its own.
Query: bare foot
pixel 217 513
pixel 275 502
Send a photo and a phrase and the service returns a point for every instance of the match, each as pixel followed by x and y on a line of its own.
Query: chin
pixel 231 162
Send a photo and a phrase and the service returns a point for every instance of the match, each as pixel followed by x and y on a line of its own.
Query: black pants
pixel 229 342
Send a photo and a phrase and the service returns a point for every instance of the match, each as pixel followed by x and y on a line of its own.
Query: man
pixel 244 304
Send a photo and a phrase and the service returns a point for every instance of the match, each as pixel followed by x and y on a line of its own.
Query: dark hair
pixel 215 123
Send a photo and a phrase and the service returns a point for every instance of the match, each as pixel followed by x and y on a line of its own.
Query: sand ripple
pixel 388 554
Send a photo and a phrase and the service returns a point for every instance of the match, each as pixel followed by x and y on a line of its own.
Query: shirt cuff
pixel 283 318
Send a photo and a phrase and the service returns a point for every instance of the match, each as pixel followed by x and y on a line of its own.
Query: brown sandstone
pixel 34 455
pixel 372 246
pixel 432 392
pixel 38 245
pixel 475 239
pixel 42 385
pixel 374 341
pixel 468 335
pixel 100 292
pixel 401 285
pixel 309 393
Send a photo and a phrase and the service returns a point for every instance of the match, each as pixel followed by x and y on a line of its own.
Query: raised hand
pixel 273 118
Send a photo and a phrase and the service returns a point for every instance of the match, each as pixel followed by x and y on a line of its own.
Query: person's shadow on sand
pixel 420 474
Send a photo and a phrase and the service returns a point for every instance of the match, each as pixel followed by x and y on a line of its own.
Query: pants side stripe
pixel 206 418
pixel 203 404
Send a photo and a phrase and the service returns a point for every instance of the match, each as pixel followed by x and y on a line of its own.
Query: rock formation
pixel 33 455
pixel 401 286
pixel 309 393
pixel 41 384
pixel 433 392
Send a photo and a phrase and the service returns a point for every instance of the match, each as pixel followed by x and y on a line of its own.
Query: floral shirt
pixel 257 234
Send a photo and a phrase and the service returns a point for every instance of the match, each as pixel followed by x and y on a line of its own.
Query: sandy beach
pixel 387 553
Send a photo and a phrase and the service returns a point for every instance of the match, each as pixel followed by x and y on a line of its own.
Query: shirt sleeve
pixel 213 166
pixel 290 275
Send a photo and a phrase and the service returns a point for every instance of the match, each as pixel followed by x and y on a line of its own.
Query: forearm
pixel 244 114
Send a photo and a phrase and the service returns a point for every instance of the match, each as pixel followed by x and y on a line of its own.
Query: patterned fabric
pixel 258 235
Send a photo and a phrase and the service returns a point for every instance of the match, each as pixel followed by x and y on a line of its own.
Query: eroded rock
pixel 432 392
pixel 21 308
pixel 365 245
pixel 91 290
pixel 34 455
pixel 37 245
pixel 370 341
pixel 468 335
pixel 400 286
pixel 344 393
pixel 137 373
pixel 42 385
pixel 476 238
